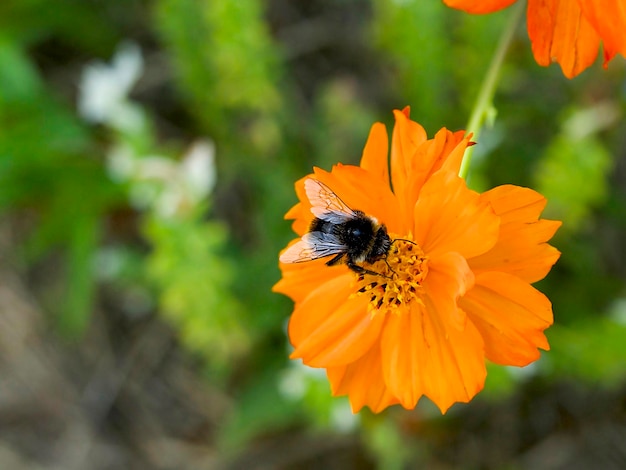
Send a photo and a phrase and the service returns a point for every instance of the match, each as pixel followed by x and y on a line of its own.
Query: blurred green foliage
pixel 192 278
pixel 233 73
pixel 573 173
pixel 224 60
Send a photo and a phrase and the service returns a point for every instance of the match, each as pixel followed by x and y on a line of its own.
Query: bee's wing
pixel 325 204
pixel 313 245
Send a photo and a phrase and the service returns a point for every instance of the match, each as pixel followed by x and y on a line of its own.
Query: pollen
pixel 394 282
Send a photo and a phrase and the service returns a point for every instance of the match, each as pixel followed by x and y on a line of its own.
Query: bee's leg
pixel 390 268
pixel 335 260
pixel 361 270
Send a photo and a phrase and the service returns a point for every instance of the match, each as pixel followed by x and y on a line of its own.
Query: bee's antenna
pixel 403 240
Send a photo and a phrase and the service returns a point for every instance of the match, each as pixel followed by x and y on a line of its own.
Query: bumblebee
pixel 349 236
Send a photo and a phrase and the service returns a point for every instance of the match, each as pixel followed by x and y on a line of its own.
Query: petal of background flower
pixel 559 32
pixel 510 315
pixel 420 358
pixel 449 277
pixel 479 6
pixel 522 247
pixel 363 382
pixel 450 217
pixel 374 158
pixel 326 333
pixel 608 18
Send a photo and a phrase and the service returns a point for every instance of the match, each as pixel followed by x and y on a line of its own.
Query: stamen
pixel 404 270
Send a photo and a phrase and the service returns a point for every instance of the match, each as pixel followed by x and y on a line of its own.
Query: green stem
pixel 484 100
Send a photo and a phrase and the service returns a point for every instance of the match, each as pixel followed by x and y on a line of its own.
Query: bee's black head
pixel 382 243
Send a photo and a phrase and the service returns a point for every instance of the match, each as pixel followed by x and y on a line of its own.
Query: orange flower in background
pixel 451 290
pixel 566 31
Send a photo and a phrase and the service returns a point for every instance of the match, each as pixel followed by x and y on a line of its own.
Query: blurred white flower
pixel 121 163
pixel 296 379
pixel 104 89
pixel 525 372
pixel 617 311
pixel 342 418
pixel 156 182
pixel 198 168
pixel 292 384
pixel 167 186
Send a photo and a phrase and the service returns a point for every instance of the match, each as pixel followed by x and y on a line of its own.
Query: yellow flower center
pixel 394 281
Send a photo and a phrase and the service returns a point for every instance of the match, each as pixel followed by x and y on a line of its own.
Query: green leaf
pixel 19 80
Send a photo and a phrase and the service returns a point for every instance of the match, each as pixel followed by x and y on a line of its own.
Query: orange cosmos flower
pixel 566 31
pixel 453 288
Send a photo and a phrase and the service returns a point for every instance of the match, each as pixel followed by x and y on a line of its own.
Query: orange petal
pixel 450 217
pixel 482 6
pixel 456 142
pixel 608 18
pixel 420 357
pixel 328 332
pixel 360 189
pixel 457 370
pixel 515 203
pixel 414 159
pixel 406 137
pixel 405 352
pixel 444 151
pixel 510 315
pixel 449 277
pixel 374 157
pixel 318 306
pixel 560 33
pixel 521 248
pixel 363 190
pixel 300 212
pixel 298 280
pixel 363 382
